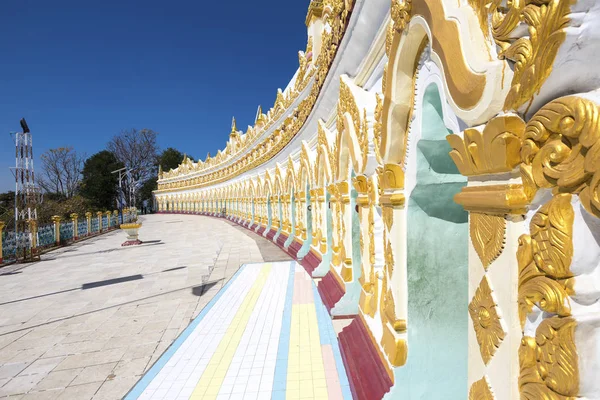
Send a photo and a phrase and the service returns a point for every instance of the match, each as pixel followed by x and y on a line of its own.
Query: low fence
pixel 34 241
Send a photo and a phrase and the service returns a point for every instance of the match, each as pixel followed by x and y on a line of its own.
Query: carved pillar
pixel 99 216
pixel 368 280
pixel 394 287
pixel 1 239
pixel 56 220
pixel 33 230
pixel 88 216
pixel 345 230
pixel 108 215
pixel 265 212
pixel 314 196
pixel 300 227
pixel 336 227
pixel 74 217
pixel 496 203
pixel 286 213
pixel 323 228
pixel 116 217
pixel 275 211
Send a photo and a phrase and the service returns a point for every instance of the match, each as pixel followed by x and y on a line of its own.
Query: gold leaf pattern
pixel 486 322
pixel 494 150
pixel 481 390
pixel 487 235
pixel 549 363
pixel 561 150
pixel 534 55
pixel 544 259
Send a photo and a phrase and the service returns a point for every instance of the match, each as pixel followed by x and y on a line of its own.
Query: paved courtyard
pixel 90 319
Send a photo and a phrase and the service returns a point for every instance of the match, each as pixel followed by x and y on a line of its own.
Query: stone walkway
pixel 89 319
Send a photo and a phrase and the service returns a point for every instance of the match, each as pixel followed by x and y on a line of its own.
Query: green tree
pixel 170 158
pixel 99 185
pixel 7 209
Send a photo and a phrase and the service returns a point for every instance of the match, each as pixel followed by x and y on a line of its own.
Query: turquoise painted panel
pixel 437 238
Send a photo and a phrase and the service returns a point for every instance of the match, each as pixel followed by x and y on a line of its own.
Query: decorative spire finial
pixel 233 125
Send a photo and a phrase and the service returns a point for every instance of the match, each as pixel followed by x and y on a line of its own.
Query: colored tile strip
pixel 252 369
pixel 331 346
pixel 306 371
pixel 143 383
pixel 259 338
pixel 211 380
pixel 280 379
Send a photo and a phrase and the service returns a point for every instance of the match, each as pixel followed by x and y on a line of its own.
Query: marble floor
pixel 91 318
pixel 265 335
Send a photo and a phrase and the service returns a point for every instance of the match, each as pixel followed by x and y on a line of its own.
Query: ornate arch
pixel 278 180
pixel 352 139
pixel 267 185
pixel 305 172
pixel 472 79
pixel 290 176
pixel 325 162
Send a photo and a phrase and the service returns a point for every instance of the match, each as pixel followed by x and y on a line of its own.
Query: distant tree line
pixel 74 183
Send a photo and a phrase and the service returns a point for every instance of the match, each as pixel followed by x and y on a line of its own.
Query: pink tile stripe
pixel 303 292
pixel 334 391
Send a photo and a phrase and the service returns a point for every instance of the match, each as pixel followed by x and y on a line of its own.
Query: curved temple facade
pixel 435 166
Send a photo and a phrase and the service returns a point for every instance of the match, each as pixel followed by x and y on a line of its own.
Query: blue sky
pixel 81 71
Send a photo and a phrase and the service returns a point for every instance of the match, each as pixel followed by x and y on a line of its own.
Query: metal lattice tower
pixel 26 192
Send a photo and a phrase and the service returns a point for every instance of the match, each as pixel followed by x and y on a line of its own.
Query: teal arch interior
pixel 308 212
pixel 437 239
pixel 292 214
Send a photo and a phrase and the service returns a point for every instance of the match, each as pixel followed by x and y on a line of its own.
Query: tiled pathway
pixel 265 335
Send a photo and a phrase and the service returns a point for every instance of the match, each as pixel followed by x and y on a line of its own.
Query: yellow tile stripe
pixel 306 371
pixel 212 378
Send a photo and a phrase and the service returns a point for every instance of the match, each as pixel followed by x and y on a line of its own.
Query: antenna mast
pixel 26 193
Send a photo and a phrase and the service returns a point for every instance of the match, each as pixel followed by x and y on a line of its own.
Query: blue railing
pixel 9 246
pixel 82 228
pixel 104 222
pixel 15 246
pixel 46 236
pixel 94 225
pixel 66 231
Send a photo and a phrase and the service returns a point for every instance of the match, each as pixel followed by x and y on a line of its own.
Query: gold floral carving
pixel 561 150
pixel 549 362
pixel 363 138
pixel 377 127
pixel 481 390
pixel 368 281
pixel 401 14
pixel 393 177
pixel 387 214
pixel 533 55
pixel 486 321
pixel 487 235
pixel 495 149
pixel 394 347
pixel 347 104
pixel 544 259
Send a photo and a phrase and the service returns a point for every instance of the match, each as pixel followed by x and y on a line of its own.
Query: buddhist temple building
pixel 434 165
